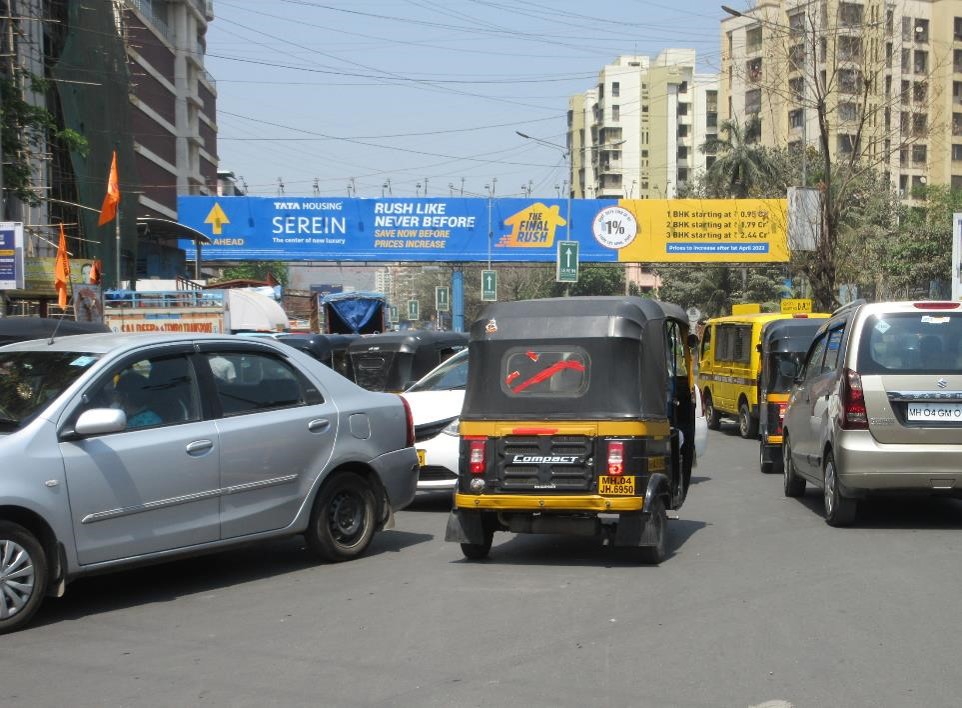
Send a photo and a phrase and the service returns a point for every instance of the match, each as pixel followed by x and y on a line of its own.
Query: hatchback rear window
pixel 911 343
pixel 545 372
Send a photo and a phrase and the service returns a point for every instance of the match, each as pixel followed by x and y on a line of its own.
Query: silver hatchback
pixel 122 449
pixel 877 406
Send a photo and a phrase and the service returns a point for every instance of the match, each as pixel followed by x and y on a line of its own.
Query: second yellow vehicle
pixel 729 366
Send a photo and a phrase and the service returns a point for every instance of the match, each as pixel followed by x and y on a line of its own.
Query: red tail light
pixel 616 457
pixel 409 440
pixel 936 305
pixel 853 415
pixel 781 418
pixel 476 455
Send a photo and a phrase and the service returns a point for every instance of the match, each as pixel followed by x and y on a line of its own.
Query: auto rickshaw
pixel 329 349
pixel 578 419
pixel 782 347
pixel 392 361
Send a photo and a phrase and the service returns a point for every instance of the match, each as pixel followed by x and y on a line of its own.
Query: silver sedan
pixel 121 449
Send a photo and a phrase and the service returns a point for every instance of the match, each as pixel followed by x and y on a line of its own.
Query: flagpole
pixel 117 243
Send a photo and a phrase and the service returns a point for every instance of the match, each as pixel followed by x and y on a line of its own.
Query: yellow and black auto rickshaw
pixel 782 348
pixel 578 419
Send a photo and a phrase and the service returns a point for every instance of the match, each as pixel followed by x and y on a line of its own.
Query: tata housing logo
pixel 533 227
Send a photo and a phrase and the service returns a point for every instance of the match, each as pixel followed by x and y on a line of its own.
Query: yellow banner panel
pixel 707 230
pixel 746 308
pixel 796 305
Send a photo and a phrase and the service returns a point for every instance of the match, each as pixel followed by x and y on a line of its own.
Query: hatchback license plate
pixel 935 412
pixel 616 486
pixel 421 456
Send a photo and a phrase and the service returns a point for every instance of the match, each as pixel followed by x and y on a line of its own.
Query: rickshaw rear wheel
pixel 713 416
pixel 656 553
pixel 478 551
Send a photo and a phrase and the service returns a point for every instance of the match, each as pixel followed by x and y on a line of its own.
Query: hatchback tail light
pixel 936 305
pixel 616 457
pixel 476 455
pixel 852 415
pixel 409 439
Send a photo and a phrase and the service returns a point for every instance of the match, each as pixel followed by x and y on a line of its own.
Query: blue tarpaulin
pixel 355 310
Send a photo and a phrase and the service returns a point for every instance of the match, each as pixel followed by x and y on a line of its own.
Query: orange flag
pixel 109 209
pixel 94 276
pixel 61 272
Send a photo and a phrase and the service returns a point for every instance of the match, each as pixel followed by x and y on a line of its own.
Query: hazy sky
pixel 422 90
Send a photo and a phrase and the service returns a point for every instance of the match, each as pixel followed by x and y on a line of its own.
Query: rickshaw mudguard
pixel 464 526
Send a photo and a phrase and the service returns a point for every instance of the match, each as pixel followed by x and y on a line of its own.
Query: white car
pixel 435 403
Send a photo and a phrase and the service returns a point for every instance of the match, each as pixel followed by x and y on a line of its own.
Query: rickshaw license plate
pixel 421 455
pixel 616 486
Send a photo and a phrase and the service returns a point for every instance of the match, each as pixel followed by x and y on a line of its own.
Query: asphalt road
pixel 760 601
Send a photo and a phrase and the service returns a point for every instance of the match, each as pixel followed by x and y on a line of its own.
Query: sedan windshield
pixel 31 380
pixel 451 375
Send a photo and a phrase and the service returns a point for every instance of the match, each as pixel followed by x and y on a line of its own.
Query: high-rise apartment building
pixel 889 75
pixel 174 101
pixel 637 134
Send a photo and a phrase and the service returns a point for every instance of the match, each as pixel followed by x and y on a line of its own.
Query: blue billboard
pixel 423 229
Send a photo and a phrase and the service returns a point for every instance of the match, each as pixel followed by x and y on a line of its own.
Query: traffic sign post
pixel 414 311
pixel 489 286
pixel 566 265
pixel 442 298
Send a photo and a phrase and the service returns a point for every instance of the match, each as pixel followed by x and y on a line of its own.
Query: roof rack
pixel 851 305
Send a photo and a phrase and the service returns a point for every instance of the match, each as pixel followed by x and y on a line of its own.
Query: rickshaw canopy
pixel 393 360
pixel 573 358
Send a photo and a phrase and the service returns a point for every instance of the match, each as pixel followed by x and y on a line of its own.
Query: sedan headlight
pixel 452 428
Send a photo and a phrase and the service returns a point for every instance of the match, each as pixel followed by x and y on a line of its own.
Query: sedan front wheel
pixel 23 576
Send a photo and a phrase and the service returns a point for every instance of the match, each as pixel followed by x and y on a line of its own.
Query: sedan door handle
pixel 199 446
pixel 319 425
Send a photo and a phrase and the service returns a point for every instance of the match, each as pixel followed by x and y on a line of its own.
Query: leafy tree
pixel 257 270
pixel 742 167
pixel 595 279
pixel 714 289
pixel 24 129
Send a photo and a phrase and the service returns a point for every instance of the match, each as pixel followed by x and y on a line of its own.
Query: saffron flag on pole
pixel 94 278
pixel 61 272
pixel 109 209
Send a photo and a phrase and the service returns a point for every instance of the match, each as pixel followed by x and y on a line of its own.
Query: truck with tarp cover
pixel 352 313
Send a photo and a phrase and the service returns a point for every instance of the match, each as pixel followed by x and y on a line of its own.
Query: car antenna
pixel 54 333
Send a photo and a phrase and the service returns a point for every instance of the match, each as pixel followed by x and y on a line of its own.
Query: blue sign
pixel 395 229
pixel 11 255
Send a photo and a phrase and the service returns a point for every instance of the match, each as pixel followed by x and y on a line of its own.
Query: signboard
pixel 392 314
pixel 11 255
pixel 125 319
pixel 442 298
pixel 566 263
pixel 39 274
pixel 796 305
pixel 88 303
pixel 414 312
pixel 438 229
pixel 489 286
pixel 746 308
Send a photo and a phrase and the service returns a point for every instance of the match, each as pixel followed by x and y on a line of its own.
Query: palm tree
pixel 742 167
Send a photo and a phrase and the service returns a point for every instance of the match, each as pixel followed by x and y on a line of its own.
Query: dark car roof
pixel 409 341
pixel 791 334
pixel 21 329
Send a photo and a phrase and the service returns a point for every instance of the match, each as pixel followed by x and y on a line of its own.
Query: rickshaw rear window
pixel 544 371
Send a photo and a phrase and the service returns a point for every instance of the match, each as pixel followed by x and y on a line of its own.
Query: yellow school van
pixel 728 368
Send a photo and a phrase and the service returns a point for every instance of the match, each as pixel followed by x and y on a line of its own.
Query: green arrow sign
pixel 566 265
pixel 489 285
pixel 442 298
pixel 414 312
pixel 392 314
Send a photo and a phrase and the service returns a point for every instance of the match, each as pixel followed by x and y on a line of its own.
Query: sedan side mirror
pixel 98 421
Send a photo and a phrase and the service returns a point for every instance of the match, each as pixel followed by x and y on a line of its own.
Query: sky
pixel 410 97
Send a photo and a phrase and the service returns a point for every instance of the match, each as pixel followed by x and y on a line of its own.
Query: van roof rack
pixel 849 306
